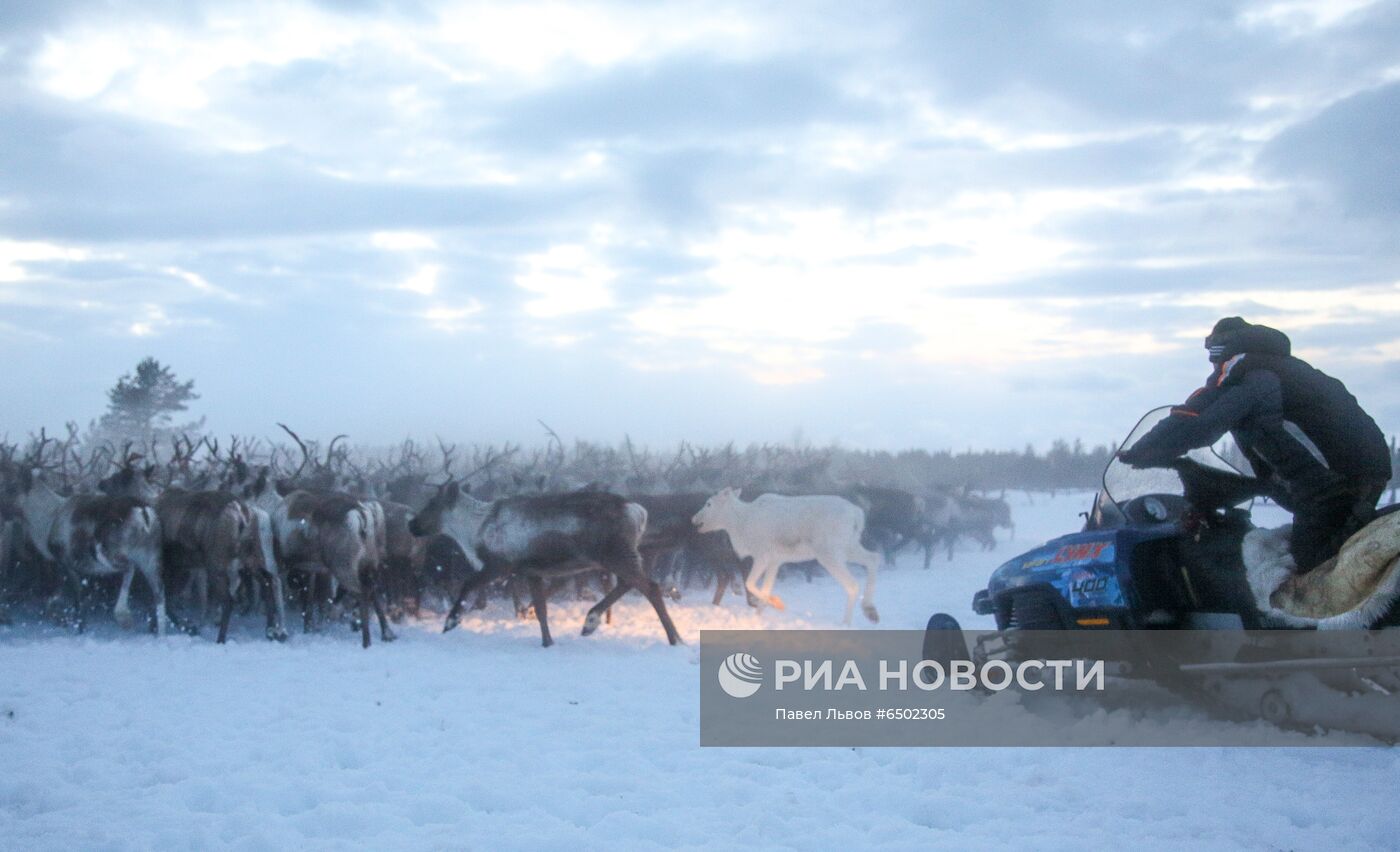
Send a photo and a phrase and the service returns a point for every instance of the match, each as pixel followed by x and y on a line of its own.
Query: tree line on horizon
pixel 142 406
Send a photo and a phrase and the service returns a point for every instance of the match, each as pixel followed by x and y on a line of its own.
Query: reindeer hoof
pixel 590 624
pixel 450 624
pixel 776 602
pixel 124 619
pixel 387 636
pixel 871 613
pixel 276 635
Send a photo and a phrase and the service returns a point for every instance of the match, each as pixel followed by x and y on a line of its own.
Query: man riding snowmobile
pixel 1330 483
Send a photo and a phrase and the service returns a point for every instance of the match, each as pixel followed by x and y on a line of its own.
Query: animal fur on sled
pixel 1352 591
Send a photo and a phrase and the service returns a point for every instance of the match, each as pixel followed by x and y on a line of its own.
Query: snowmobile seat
pixel 1356 589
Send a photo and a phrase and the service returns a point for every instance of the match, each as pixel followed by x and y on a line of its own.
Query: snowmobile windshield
pixel 1123 483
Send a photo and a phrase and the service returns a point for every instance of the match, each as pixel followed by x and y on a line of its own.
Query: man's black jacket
pixel 1251 395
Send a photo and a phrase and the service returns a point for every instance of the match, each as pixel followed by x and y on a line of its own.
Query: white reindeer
pixel 775 529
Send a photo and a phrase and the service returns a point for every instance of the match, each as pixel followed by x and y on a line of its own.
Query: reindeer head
pixel 131 481
pixel 718 511
pixel 15 480
pixel 428 520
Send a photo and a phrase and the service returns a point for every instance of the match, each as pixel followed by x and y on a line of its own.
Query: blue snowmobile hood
pixel 1088 569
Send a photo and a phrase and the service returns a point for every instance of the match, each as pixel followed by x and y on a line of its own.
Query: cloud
pixel 677 100
pixel 742 217
pixel 1350 149
pixel 73 177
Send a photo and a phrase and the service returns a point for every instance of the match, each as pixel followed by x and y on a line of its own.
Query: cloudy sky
pixel 904 224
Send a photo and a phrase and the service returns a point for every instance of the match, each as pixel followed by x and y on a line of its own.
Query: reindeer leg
pixel 772 577
pixel 651 590
pixel 323 595
pixel 364 613
pixel 540 599
pixel 304 592
pixel 721 582
pixel 835 565
pixel 480 578
pixel 765 572
pixel 201 589
pixel 377 596
pixel 151 574
pixel 252 600
pixel 122 611
pixel 225 614
pixel 870 561
pixel 595 614
pixel 653 594
pixel 79 589
pixel 276 606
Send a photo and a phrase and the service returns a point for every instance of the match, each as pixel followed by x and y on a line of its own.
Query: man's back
pixel 1318 404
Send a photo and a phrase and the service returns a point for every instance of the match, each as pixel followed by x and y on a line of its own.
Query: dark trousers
pixel 1321 527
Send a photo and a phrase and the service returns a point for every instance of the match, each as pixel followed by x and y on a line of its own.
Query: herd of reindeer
pixel 242 528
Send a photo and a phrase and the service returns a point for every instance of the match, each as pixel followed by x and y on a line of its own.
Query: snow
pixel 480 738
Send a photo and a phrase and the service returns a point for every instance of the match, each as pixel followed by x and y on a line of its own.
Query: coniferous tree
pixel 142 404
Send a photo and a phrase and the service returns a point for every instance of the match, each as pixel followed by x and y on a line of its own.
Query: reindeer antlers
pixel 305 456
pixel 447 454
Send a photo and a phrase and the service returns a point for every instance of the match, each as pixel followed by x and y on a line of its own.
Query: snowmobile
pixel 1160 554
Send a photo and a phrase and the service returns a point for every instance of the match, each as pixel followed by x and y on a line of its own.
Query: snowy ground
pixel 481 739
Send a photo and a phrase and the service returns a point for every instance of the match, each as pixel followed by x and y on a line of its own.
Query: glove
pixel 1136 458
pixel 1130 457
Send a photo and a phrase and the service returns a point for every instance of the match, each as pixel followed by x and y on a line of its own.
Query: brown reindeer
pixel 544 537
pixel 211 534
pixel 91 536
pixel 337 536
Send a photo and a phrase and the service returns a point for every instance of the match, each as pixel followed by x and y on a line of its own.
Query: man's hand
pixel 1134 458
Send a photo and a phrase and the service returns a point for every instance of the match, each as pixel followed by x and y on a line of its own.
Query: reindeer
pixel 326 534
pixel 331 534
pixel 544 537
pixel 209 532
pixel 671 540
pixel 91 536
pixel 776 529
pixel 893 519
pixel 980 517
pixel 9 534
